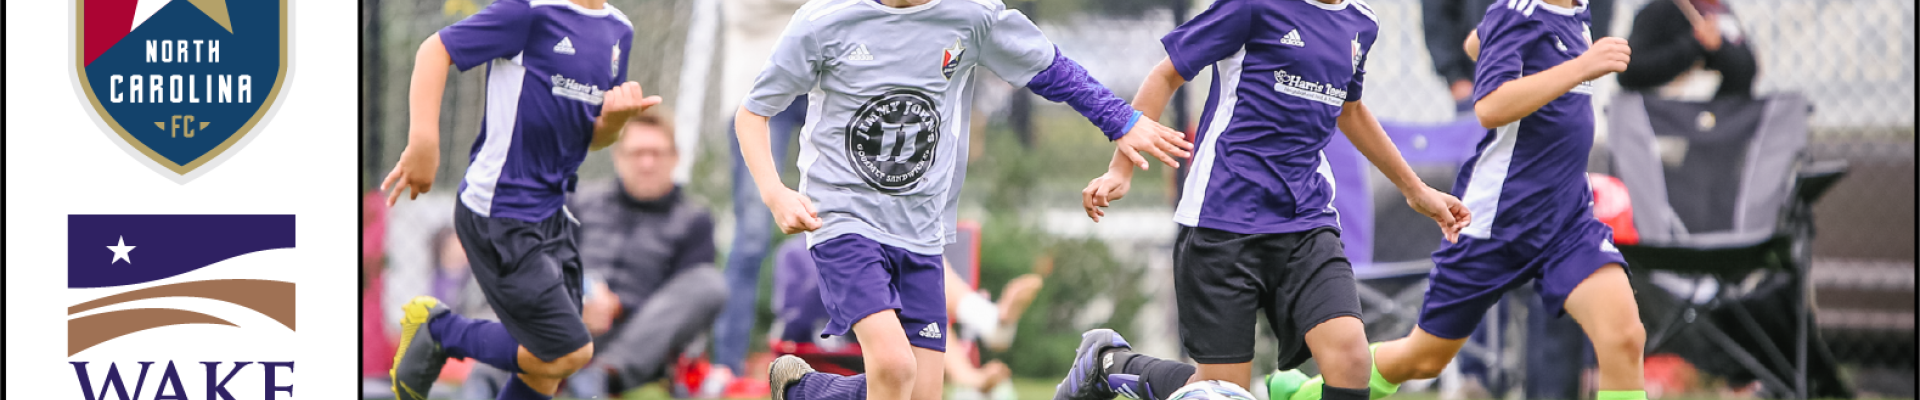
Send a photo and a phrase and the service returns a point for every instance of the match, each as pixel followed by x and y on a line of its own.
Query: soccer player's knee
pixel 561 367
pixel 1627 338
pixel 1345 360
pixel 896 370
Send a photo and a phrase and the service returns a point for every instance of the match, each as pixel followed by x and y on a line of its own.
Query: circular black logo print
pixel 893 138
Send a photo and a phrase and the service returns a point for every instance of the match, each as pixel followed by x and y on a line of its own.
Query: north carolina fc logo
pixel 893 138
pixel 181 82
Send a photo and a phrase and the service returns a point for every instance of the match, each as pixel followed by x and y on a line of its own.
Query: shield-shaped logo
pixel 181 82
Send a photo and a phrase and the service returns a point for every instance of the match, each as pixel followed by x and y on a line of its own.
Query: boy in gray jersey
pixel 887 83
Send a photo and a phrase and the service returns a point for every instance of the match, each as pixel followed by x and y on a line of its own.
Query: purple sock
pixel 478 339
pixel 517 390
pixel 822 386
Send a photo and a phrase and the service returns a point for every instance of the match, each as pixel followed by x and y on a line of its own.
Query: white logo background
pixel 305 163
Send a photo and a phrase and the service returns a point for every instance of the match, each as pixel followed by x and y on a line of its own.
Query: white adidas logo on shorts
pixel 932 331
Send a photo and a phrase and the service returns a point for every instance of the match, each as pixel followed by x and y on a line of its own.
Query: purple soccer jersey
pixel 1282 70
pixel 549 64
pixel 1528 180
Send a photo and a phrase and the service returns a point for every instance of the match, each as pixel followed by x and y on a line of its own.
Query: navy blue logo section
pixel 181 81
pixel 114 250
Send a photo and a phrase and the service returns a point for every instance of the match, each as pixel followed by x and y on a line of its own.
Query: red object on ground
pixel 456 370
pixel 1668 374
pixel 1612 207
pixel 747 388
pixel 842 361
pixel 690 373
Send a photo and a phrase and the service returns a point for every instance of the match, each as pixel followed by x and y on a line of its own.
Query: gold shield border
pixel 80 68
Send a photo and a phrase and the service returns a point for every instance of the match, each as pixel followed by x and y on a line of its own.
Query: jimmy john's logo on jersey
pixel 950 59
pixel 180 82
pixel 893 138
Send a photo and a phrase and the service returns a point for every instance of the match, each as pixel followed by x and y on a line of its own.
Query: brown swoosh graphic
pixel 85 332
pixel 271 298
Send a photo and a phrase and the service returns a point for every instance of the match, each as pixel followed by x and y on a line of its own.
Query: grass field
pixel 1027 389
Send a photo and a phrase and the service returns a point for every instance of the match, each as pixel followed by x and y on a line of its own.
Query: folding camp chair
pixel 1721 191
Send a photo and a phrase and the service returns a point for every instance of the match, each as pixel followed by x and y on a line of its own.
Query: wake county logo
pixel 893 138
pixel 106 251
pixel 181 82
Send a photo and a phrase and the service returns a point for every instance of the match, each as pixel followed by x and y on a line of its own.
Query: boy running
pixel 1258 231
pixel 887 82
pixel 554 92
pixel 1533 217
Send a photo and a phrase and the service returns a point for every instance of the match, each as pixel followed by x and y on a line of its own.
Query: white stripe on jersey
pixel 1365 9
pixel 1195 192
pixel 504 79
pixel 1333 189
pixel 604 11
pixel 816 101
pixel 1489 178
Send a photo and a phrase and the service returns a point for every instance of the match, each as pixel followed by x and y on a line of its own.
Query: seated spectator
pixel 654 250
pixel 1679 46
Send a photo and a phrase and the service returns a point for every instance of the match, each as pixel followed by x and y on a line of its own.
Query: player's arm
pixel 421 158
pixel 498 31
pixel 1472 46
pixel 1361 128
pixel 621 102
pixel 1151 100
pixel 790 71
pixel 1503 99
pixel 1223 29
pixel 1014 48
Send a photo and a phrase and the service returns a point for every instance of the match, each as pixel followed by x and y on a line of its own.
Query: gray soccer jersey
pixel 888 91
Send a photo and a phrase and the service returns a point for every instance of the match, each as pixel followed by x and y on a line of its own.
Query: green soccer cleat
pixel 1282 385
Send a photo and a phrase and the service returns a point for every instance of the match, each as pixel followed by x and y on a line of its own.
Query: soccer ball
pixel 1211 390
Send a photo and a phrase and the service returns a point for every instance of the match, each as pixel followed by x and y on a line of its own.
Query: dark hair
pixel 657 117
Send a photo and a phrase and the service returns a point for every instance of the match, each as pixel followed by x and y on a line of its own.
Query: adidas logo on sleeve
pixel 1293 39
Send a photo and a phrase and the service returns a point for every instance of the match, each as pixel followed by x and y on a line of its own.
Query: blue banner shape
pixel 115 250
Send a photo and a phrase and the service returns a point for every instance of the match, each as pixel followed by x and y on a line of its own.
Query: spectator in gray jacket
pixel 654 250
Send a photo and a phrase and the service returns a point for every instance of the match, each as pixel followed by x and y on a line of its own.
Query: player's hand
pixel 1607 55
pixel 414 171
pixel 1707 31
pixel 791 211
pixel 1102 191
pixel 626 100
pixel 1155 139
pixel 1445 210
